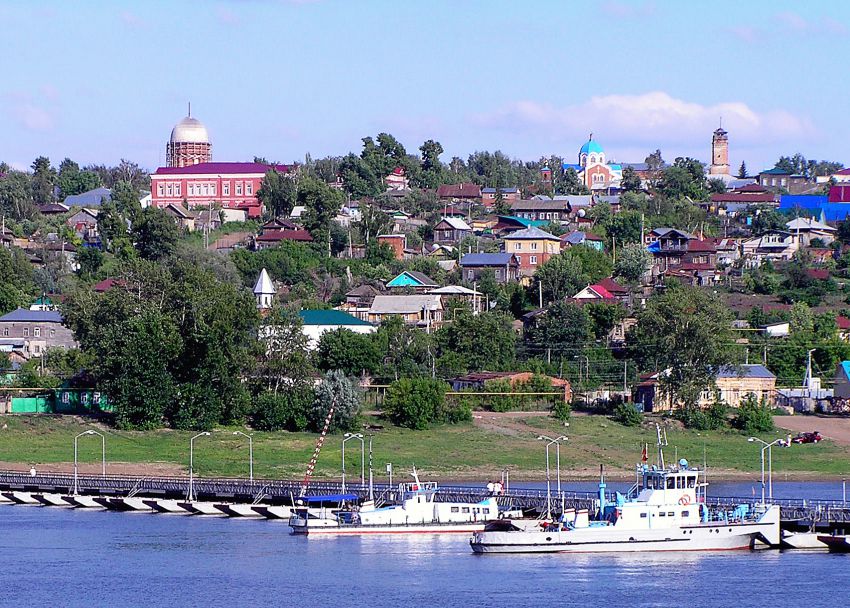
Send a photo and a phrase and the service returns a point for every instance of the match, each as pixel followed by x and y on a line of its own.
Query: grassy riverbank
pixel 472 451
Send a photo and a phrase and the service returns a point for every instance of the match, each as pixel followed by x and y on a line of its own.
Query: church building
pixel 594 170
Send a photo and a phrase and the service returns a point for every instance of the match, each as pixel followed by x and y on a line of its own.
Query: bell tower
pixel 719 153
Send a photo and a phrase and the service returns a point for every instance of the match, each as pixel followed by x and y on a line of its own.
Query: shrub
pixel 753 417
pixel 709 419
pixel 282 411
pixel 627 414
pixel 561 410
pixel 416 403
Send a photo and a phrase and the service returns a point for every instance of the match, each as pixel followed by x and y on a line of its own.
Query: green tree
pixel 625 228
pixel 373 222
pixel 408 351
pixel 716 185
pixel 125 197
pixel 627 414
pixel 322 203
pixel 155 234
pixel 561 276
pixel 633 261
pixel 71 180
pixel 17 286
pixel 604 316
pixel 482 341
pixel 346 397
pixel 43 181
pixel 359 178
pixel 572 184
pixel 90 260
pixel 277 193
pixel 283 360
pixel 631 181
pixel 432 169
pixel 16 200
pixel 686 333
pixel 742 170
pixel 342 349
pixel 564 329
pixel 283 411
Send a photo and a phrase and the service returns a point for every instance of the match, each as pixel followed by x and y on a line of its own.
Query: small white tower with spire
pixel 264 291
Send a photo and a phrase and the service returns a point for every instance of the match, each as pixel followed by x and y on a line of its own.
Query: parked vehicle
pixel 812 437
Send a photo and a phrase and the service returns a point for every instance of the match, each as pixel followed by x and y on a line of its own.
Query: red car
pixel 812 437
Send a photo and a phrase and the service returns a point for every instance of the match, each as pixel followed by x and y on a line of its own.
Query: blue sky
pixel 97 81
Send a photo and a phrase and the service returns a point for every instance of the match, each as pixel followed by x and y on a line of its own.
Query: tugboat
pixel 417 512
pixel 664 511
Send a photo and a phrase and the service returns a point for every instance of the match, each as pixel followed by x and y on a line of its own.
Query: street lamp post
pixel 250 454
pixel 102 456
pixel 557 441
pixel 768 447
pixel 346 437
pixel 191 496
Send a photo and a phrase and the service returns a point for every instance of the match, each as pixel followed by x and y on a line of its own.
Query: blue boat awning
pixel 330 498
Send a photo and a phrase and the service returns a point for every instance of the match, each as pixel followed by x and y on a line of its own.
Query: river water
pixel 65 557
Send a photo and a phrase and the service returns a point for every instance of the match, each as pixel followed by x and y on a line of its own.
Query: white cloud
pixel 33 117
pixel 630 10
pixel 653 118
pixel 795 22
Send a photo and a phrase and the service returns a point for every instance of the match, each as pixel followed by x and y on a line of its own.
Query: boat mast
pixel 661 443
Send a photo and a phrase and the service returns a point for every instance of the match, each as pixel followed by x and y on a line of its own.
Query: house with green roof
pixel 411 278
pixel 317 322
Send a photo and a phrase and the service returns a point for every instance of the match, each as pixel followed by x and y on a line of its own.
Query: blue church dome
pixel 591 147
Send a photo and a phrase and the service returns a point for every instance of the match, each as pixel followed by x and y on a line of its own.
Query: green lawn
pixel 452 452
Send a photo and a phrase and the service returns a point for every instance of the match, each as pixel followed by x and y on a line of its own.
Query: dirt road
pixel 837 429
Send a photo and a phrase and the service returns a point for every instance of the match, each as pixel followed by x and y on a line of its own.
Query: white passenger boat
pixel 416 513
pixel 664 511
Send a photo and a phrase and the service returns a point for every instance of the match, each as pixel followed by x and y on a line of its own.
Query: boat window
pixel 680 482
pixel 671 483
pixel 487 511
pixel 685 513
pixel 661 514
pixel 465 509
pixel 671 514
pixel 643 515
pixel 692 481
pixel 455 509
pixel 475 510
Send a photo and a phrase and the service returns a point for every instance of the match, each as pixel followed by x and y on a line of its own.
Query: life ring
pixel 685 500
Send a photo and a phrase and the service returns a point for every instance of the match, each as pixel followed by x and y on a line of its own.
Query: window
pixel 238 188
pixel 26 332
pixel 206 189
pixel 534 246
pixel 671 483
pixel 486 511
pixel 160 189
pixel 5 332
pixel 470 274
pixel 465 510
pixel 170 190
pixel 225 188
pixel 52 333
pixel 685 513
pixel 177 189
pixel 661 514
pixel 500 274
pixel 454 509
pixel 212 189
pixel 36 332
pixel 671 514
pixel 37 348
pixel 249 188
pixel 643 515
pixel 518 247
pixel 533 259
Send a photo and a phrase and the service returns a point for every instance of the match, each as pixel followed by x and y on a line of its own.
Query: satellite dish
pixel 581 213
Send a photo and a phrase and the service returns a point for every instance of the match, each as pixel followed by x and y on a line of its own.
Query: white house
pixel 317 322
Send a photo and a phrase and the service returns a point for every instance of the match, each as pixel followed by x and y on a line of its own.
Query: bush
pixel 709 419
pixel 627 414
pixel 753 417
pixel 416 403
pixel 561 410
pixel 282 411
pixel 335 386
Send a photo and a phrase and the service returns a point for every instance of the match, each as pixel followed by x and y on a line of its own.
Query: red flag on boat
pixel 644 456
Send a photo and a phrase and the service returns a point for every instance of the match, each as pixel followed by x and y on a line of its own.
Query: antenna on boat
pixel 662 442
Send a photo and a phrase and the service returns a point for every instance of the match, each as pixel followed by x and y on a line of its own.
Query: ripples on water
pixel 63 557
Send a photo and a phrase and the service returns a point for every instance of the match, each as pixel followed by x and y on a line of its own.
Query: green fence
pixel 62 401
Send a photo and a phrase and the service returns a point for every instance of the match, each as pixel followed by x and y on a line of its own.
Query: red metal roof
pixel 221 168
pixel 839 194
pixel 819 274
pixel 275 236
pixel 459 191
pixel 612 286
pixel 743 197
pixel 604 293
pixel 842 322
pixel 697 245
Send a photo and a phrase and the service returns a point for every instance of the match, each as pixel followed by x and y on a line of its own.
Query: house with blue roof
pixel 841 387
pixel 503 266
pixel 418 281
pixel 30 333
pixel 92 198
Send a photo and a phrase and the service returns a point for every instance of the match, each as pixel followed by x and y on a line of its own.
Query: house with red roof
pixel 843 324
pixel 459 192
pixel 271 238
pixel 594 292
